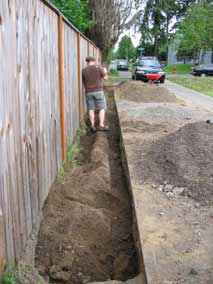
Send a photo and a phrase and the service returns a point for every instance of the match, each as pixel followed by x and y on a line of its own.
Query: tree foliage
pixel 155 24
pixel 103 21
pixel 196 30
pixel 109 19
pixel 76 11
pixel 126 48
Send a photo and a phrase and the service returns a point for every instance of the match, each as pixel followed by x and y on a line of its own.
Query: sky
pixel 135 36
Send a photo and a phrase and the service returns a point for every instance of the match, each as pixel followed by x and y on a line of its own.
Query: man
pixel 92 77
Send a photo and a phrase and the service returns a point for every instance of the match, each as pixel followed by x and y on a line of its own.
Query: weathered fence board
pixel 30 128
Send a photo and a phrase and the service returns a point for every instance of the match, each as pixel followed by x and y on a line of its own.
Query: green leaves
pixel 126 48
pixel 196 30
pixel 76 12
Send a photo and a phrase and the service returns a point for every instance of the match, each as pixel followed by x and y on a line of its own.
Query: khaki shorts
pixel 96 100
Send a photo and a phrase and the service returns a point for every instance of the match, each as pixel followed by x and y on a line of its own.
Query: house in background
pixel 172 56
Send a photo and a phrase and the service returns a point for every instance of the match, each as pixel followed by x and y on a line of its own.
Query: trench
pixel 88 231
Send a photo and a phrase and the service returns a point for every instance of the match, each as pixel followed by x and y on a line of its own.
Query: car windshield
pixel 123 62
pixel 149 63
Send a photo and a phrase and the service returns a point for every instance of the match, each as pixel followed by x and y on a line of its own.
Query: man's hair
pixel 90 59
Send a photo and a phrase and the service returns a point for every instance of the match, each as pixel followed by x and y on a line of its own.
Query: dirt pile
pixel 86 234
pixel 143 92
pixel 183 162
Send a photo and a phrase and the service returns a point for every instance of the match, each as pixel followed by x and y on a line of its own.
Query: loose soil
pixel 183 159
pixel 86 233
pixel 169 152
pixel 143 92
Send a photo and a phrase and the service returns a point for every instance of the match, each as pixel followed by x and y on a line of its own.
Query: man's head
pixel 90 60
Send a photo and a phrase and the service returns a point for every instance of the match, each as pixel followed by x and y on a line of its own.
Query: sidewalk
pixel 192 97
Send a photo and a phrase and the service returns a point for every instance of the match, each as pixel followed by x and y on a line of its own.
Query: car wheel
pixel 162 81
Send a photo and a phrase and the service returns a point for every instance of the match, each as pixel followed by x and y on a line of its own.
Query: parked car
pixel 203 70
pixel 122 64
pixel 148 68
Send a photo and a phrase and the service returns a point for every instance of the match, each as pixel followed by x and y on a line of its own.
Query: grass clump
pixel 202 85
pixel 180 68
pixel 113 73
pixel 22 274
pixel 72 150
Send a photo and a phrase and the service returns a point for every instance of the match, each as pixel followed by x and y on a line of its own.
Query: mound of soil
pixel 86 233
pixel 183 159
pixel 143 92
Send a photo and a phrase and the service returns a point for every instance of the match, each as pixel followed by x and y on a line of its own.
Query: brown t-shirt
pixel 92 78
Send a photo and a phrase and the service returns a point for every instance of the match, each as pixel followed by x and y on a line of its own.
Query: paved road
pixel 125 74
pixel 197 99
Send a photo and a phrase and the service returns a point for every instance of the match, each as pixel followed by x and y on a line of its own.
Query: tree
pixel 109 19
pixel 195 31
pixel 155 24
pixel 76 12
pixel 126 48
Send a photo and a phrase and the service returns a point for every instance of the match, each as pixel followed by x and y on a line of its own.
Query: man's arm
pixel 103 72
pixel 105 77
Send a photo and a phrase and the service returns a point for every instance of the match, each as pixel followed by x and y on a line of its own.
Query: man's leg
pixel 92 117
pixel 101 117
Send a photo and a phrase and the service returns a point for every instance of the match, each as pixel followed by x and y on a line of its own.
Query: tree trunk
pixel 156 46
pixel 167 38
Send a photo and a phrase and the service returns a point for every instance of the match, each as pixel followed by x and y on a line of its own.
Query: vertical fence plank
pixel 2 240
pixel 61 85
pixel 79 76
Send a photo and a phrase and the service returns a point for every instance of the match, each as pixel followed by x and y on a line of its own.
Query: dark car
pixel 148 68
pixel 203 70
pixel 122 64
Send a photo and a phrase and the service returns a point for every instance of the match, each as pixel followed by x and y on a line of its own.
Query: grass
pixel 22 274
pixel 180 68
pixel 203 85
pixel 113 73
pixel 71 151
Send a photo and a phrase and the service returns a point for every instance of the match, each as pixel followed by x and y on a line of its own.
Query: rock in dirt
pixel 57 274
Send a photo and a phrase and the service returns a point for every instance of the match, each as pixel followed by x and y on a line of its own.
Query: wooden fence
pixel 41 104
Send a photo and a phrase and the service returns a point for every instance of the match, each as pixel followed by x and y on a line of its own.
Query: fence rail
pixel 41 104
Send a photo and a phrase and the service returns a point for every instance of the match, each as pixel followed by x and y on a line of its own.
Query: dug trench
pixel 88 233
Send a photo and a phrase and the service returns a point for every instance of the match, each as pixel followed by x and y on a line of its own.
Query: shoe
pixel 93 130
pixel 103 128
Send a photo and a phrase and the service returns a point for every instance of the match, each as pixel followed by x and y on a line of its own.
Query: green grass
pixel 21 274
pixel 113 73
pixel 180 68
pixel 203 85
pixel 72 149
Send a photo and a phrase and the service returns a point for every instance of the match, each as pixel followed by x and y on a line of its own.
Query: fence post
pixel 79 75
pixel 61 85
